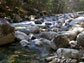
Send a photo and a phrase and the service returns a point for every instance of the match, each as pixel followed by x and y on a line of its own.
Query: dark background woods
pixel 29 7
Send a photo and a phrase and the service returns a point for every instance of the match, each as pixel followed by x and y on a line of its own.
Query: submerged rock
pixel 6 32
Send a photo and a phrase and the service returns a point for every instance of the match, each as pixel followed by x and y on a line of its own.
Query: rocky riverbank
pixel 55 39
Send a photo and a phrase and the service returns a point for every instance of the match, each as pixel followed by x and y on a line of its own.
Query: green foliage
pixel 80 7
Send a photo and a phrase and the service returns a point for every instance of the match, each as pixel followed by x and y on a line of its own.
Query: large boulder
pixel 80 39
pixel 6 32
pixel 69 53
pixel 59 41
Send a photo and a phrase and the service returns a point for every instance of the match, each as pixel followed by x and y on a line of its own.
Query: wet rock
pixel 73 44
pixel 38 22
pixel 37 42
pixel 17 18
pixel 48 35
pixel 54 29
pixel 80 39
pixel 77 20
pixel 71 35
pixel 20 35
pixel 50 58
pixel 6 32
pixel 32 17
pixel 74 61
pixel 31 36
pixel 63 60
pixel 48 23
pixel 33 29
pixel 56 60
pixel 24 43
pixel 45 41
pixel 43 30
pixel 59 41
pixel 69 53
pixel 23 29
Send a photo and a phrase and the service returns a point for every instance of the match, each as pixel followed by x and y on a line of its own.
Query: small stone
pixel 43 30
pixel 73 43
pixel 38 42
pixel 31 36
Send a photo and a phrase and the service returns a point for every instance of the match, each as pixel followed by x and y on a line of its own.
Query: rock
pixel 48 23
pixel 17 18
pixel 20 35
pixel 48 35
pixel 31 36
pixel 37 42
pixel 38 22
pixel 56 60
pixel 43 30
pixel 24 43
pixel 77 20
pixel 50 58
pixel 32 17
pixel 80 39
pixel 69 53
pixel 6 32
pixel 54 29
pixel 33 29
pixel 45 41
pixel 73 61
pixel 59 41
pixel 71 35
pixel 73 44
pixel 23 29
pixel 80 62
